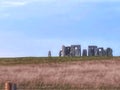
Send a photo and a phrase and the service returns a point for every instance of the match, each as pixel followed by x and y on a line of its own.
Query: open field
pixel 84 73
pixel 41 60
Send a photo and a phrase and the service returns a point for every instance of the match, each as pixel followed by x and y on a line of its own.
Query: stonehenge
pixel 93 50
pixel 73 50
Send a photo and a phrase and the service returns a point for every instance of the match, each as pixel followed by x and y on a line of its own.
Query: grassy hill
pixel 38 60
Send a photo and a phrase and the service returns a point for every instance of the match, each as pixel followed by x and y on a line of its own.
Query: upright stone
pixel 75 50
pixel 92 50
pixel 109 52
pixel 84 53
pixel 63 50
pixel 101 51
pixel 60 53
pixel 49 53
pixel 67 51
pixel 72 52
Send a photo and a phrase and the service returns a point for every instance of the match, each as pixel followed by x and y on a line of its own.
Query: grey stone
pixel 101 51
pixel 109 52
pixel 63 50
pixel 92 50
pixel 73 50
pixel 84 53
pixel 60 53
pixel 67 51
pixel 49 53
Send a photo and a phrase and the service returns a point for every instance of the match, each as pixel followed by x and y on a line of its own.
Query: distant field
pixel 62 73
pixel 39 60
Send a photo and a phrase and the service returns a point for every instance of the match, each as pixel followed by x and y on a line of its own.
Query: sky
pixel 33 27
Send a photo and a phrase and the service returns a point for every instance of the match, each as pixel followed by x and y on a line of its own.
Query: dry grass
pixel 76 74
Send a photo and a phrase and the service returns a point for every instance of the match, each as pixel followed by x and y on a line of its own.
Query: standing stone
pixel 100 51
pixel 63 50
pixel 84 53
pixel 60 53
pixel 109 52
pixel 67 51
pixel 49 53
pixel 92 50
pixel 75 50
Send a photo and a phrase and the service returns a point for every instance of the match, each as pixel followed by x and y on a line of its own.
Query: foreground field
pixel 87 74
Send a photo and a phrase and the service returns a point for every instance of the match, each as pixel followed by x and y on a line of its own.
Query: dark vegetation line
pixel 39 60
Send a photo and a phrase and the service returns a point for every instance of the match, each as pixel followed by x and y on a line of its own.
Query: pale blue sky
pixel 33 27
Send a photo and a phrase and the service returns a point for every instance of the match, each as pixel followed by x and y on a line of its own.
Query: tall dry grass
pixel 78 74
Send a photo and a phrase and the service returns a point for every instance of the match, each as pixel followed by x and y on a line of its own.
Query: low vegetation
pixel 39 60
pixel 65 73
